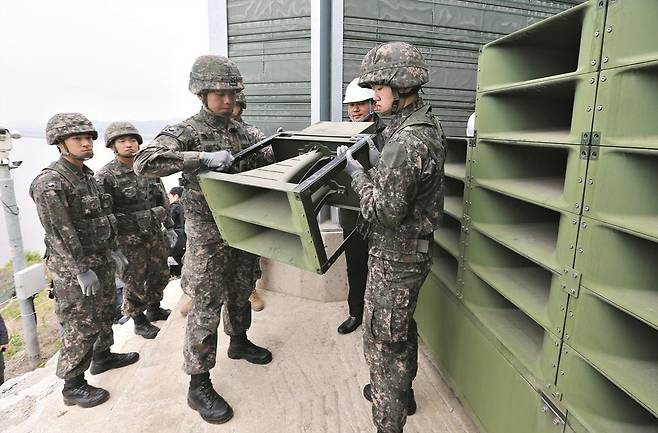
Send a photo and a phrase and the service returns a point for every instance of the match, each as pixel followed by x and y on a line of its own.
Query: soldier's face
pixel 81 146
pixel 221 102
pixel 126 146
pixel 358 111
pixel 383 98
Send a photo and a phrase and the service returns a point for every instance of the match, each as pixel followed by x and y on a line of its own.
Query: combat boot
pixel 78 392
pixel 107 360
pixel 241 348
pixel 155 312
pixel 203 398
pixel 145 328
pixel 411 399
pixel 256 301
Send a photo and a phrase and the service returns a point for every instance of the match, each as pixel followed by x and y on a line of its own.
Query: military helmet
pixel 64 125
pixel 120 129
pixel 241 100
pixel 211 72
pixel 395 64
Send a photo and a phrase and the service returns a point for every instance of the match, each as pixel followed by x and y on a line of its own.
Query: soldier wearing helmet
pixel 402 199
pixel 80 232
pixel 359 109
pixel 214 274
pixel 141 208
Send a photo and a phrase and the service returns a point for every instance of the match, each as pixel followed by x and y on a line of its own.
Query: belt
pixel 410 246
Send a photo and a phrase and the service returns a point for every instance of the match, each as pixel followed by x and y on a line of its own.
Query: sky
pixel 110 60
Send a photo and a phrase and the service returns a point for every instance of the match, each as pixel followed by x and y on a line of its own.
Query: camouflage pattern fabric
pixel 395 64
pixel 401 199
pixel 141 208
pixel 210 72
pixel 80 232
pixel 120 129
pixel 214 274
pixel 63 125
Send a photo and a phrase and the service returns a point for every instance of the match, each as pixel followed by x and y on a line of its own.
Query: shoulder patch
pixel 173 130
pixel 53 185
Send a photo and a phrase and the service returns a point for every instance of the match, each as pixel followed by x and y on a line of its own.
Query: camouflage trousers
pixel 86 321
pixel 147 273
pixel 214 275
pixel 390 340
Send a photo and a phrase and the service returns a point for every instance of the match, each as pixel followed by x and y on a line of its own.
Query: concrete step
pixel 313 385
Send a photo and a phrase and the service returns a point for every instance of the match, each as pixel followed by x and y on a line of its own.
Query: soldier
pixel 402 198
pixel 359 109
pixel 214 274
pixel 80 235
pixel 257 303
pixel 141 208
pixel 4 345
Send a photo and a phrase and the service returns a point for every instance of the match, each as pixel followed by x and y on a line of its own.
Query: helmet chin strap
pixel 396 100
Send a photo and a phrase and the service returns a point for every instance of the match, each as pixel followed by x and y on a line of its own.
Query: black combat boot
pixel 241 348
pixel 107 360
pixel 155 312
pixel 411 402
pixel 145 328
pixel 78 391
pixel 203 398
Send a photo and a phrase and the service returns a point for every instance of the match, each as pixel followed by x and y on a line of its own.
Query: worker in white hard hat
pixel 360 109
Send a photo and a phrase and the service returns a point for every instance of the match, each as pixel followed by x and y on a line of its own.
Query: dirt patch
pixel 47 331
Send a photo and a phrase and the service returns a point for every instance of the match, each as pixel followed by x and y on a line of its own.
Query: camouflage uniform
pixel 80 233
pixel 214 274
pixel 402 199
pixel 140 206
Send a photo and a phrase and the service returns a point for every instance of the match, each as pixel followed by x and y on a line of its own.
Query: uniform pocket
pixel 144 220
pixel 90 205
pixel 102 228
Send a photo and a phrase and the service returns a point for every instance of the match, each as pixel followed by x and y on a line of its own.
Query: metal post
pixel 11 212
pixel 320 60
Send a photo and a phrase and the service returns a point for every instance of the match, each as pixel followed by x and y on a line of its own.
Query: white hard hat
pixel 470 126
pixel 354 93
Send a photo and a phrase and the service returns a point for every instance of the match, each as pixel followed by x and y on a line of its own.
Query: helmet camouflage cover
pixel 64 125
pixel 394 64
pixel 210 72
pixel 119 129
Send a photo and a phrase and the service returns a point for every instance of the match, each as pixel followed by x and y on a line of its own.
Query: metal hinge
pixel 590 153
pixel 550 409
pixel 570 281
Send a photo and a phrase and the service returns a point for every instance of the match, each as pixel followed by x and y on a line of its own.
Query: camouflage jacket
pixel 140 204
pixel 75 213
pixel 253 131
pixel 177 148
pixel 402 197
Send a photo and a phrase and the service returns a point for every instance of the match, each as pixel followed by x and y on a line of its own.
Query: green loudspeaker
pixel 272 211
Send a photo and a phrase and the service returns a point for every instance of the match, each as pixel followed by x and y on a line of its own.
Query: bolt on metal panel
pixel 630 33
pixel 626 106
pixel 567 43
pixel 594 403
pixel 547 175
pixel 619 189
pixel 533 289
pixel 552 110
pixel 620 267
pixel 622 347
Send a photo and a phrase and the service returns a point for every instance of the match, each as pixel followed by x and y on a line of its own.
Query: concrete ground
pixel 313 385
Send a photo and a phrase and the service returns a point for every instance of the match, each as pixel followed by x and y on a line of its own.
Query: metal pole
pixel 11 212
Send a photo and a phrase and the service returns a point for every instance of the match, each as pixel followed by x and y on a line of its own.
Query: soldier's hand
pixel 88 282
pixel 120 260
pixel 172 237
pixel 220 160
pixel 352 166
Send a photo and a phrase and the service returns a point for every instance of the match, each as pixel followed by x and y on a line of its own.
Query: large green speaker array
pixel 557 281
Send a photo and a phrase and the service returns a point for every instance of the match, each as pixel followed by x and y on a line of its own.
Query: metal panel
pixel 448 32
pixel 477 371
pixel 545 236
pixel 626 106
pixel 631 35
pixel 621 267
pixel 568 43
pixel 271 43
pixel 624 199
pixel 555 110
pixel 548 175
pixel 595 404
pixel 620 346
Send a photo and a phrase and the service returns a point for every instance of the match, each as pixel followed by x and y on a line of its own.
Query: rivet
pixel 599 107
pixel 586 208
pixel 584 225
pixel 597 34
pixel 593 62
pixel 609 29
pixel 577 205
pixel 573 291
pixel 570 313
pixel 558 330
pixel 605 59
pixel 564 286
pixel 561 372
pixel 575 275
pixel 589 109
pixel 591 80
pixel 580 180
pixel 571 247
pixel 590 181
pixel 574 222
pixel 561 307
pixel 603 79
pixel 580 250
pixel 566 336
